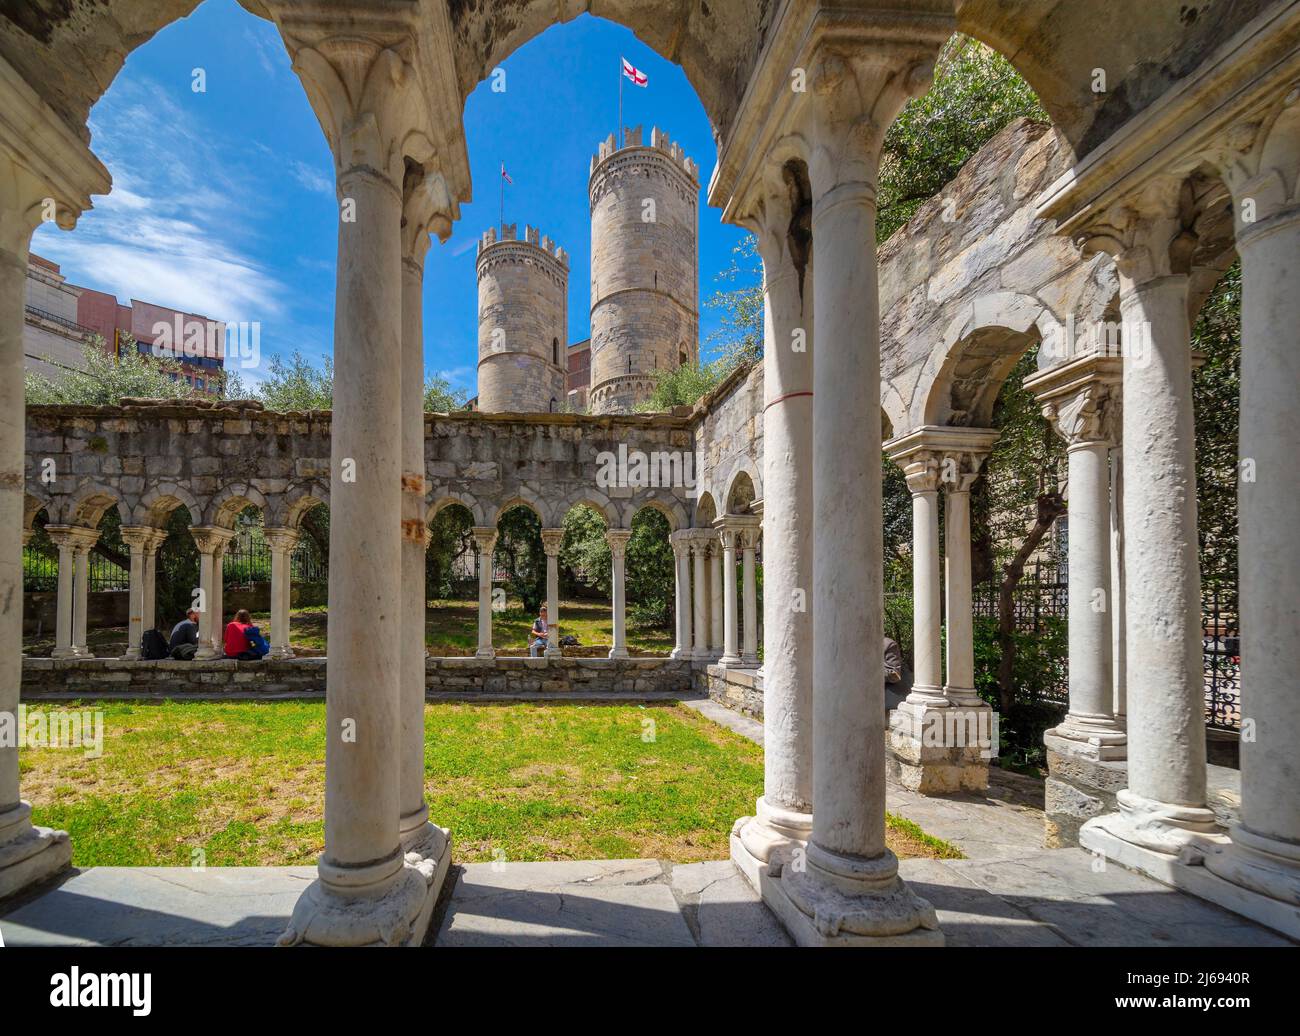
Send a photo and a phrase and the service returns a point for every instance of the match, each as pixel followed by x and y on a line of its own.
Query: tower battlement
pixel 532 236
pixel 659 141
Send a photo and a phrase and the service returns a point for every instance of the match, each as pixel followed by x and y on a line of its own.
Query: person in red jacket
pixel 236 637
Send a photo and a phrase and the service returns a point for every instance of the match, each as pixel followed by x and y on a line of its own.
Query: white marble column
pixel 1164 806
pixel 617 540
pixel 782 820
pixel 373 105
pixel 922 473
pixel 702 543
pixel 680 543
pixel 848 890
pixel 730 538
pixel 217 595
pixel 64 538
pixel 282 542
pixel 485 539
pixel 149 607
pixel 552 541
pixel 81 591
pixel 211 541
pixel 1080 398
pixel 1264 857
pixel 1117 582
pixel 715 600
pixel 137 539
pixel 749 599
pixel 54 177
pixel 959 680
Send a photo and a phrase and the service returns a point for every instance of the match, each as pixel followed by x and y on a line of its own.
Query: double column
pixel 74 543
pixel 782 821
pixel 617 540
pixel 680 541
pixel 46 172
pixel 704 544
pixel 847 889
pixel 485 541
pixel 211 541
pixel 143 542
pixel 282 542
pixel 372 105
pixel 739 535
pixel 552 541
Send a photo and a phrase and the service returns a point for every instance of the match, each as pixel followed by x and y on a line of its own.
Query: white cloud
pixel 312 179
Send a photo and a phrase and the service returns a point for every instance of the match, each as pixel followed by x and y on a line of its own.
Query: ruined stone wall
pixel 729 436
pixel 644 267
pixel 523 321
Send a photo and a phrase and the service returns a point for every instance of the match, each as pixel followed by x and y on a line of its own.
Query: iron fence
pixel 41 573
pixel 248 563
pixel 1221 657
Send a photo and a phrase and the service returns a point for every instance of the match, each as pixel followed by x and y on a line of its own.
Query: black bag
pixel 185 652
pixel 153 646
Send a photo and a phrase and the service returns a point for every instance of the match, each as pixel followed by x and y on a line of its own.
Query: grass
pixel 242 784
pixel 451 628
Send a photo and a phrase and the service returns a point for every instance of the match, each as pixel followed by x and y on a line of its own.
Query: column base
pixel 1079 787
pixel 730 661
pixel 485 653
pixel 1159 827
pixel 276 654
pixel 131 655
pixel 757 840
pixel 63 652
pixel 396 913
pixel 618 653
pixel 29 854
pixel 941 750
pixel 1092 738
pixel 554 652
pixel 1258 865
pixel 680 653
pixel 842 901
pixel 207 654
pixel 749 661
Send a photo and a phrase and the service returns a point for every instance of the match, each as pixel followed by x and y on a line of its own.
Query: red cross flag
pixel 635 74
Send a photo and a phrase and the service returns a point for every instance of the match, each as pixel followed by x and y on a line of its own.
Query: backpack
pixel 185 652
pixel 257 643
pixel 153 646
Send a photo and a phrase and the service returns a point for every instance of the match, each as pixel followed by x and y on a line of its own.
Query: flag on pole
pixel 504 175
pixel 635 74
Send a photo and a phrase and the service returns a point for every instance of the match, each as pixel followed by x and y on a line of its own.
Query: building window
pixel 553 404
pixel 555 351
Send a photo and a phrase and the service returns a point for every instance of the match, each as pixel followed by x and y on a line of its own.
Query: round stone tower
pixel 644 267
pixel 523 321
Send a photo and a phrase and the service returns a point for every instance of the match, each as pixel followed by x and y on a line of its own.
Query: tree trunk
pixel 1050 507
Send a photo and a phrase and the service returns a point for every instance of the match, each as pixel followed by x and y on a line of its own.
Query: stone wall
pixel 644 267
pixel 460 678
pixel 523 321
pixel 738 689
pixel 729 438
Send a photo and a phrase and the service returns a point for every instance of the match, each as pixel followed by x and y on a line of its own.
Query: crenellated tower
pixel 644 267
pixel 523 320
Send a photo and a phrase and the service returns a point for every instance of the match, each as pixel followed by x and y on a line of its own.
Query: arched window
pixel 554 404
pixel 555 351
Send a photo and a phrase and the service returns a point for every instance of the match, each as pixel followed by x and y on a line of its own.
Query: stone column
pixel 63 537
pixel 680 542
pixel 847 890
pixel 372 103
pixel 552 541
pixel 153 544
pixel 959 684
pixel 485 539
pixel 46 171
pixel 85 542
pixel 701 543
pixel 282 542
pixel 730 538
pixel 749 599
pixel 1263 862
pixel 922 472
pixel 137 538
pixel 715 600
pixel 1117 581
pixel 617 540
pixel 217 598
pixel 782 820
pixel 1078 398
pixel 211 541
pixel 1164 806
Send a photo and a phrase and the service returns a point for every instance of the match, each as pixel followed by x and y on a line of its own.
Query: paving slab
pixel 722 908
pixel 745 726
pixel 579 903
pixel 161 906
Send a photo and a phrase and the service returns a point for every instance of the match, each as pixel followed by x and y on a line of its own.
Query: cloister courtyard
pixel 933 584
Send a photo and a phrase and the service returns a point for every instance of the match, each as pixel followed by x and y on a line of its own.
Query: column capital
pixel 680 541
pixel 552 541
pixel 210 539
pixel 427 208
pixel 142 538
pixel 485 538
pixel 282 538
pixel 1082 398
pixel 617 540
pixel 76 538
pixel 950 457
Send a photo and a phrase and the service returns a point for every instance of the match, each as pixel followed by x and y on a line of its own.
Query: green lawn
pixel 451 628
pixel 242 784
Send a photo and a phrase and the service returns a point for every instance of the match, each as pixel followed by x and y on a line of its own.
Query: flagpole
pixel 620 102
pixel 503 197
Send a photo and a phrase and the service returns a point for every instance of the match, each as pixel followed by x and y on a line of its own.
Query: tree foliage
pixel 108 379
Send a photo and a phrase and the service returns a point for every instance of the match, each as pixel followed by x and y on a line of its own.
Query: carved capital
pixel 427 208
pixel 680 541
pixel 552 541
pixel 140 538
pixel 922 472
pixel 485 538
pixel 211 539
pixel 958 469
pixel 617 540
pixel 76 538
pixel 1150 234
pixel 1087 416
pixel 282 540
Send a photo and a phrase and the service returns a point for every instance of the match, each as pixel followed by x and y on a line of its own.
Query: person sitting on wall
pixel 243 640
pixel 184 641
pixel 538 634
pixel 895 691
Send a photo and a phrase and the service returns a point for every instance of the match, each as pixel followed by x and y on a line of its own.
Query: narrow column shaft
pixel 81 600
pixel 552 541
pixel 682 593
pixel 135 620
pixel 699 550
pixel 617 539
pixel 749 652
pixel 1166 709
pixel 1091 660
pixel 149 607
pixel 205 649
pixel 730 648
pixel 219 600
pixel 282 542
pixel 715 600
pixel 485 538
pixel 63 603
pixel 959 687
pixel 927 690
pixel 1118 618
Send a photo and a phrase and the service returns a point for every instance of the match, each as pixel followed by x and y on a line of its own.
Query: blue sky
pixel 223 201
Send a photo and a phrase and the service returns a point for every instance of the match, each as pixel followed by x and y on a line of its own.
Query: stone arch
pixel 524 497
pixel 290 508
pixel 981 345
pixel 706 511
pixel 87 505
pixel 224 508
pixel 443 500
pixel 666 504
pixel 32 506
pixel 742 488
pixel 594 499
pixel 161 500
